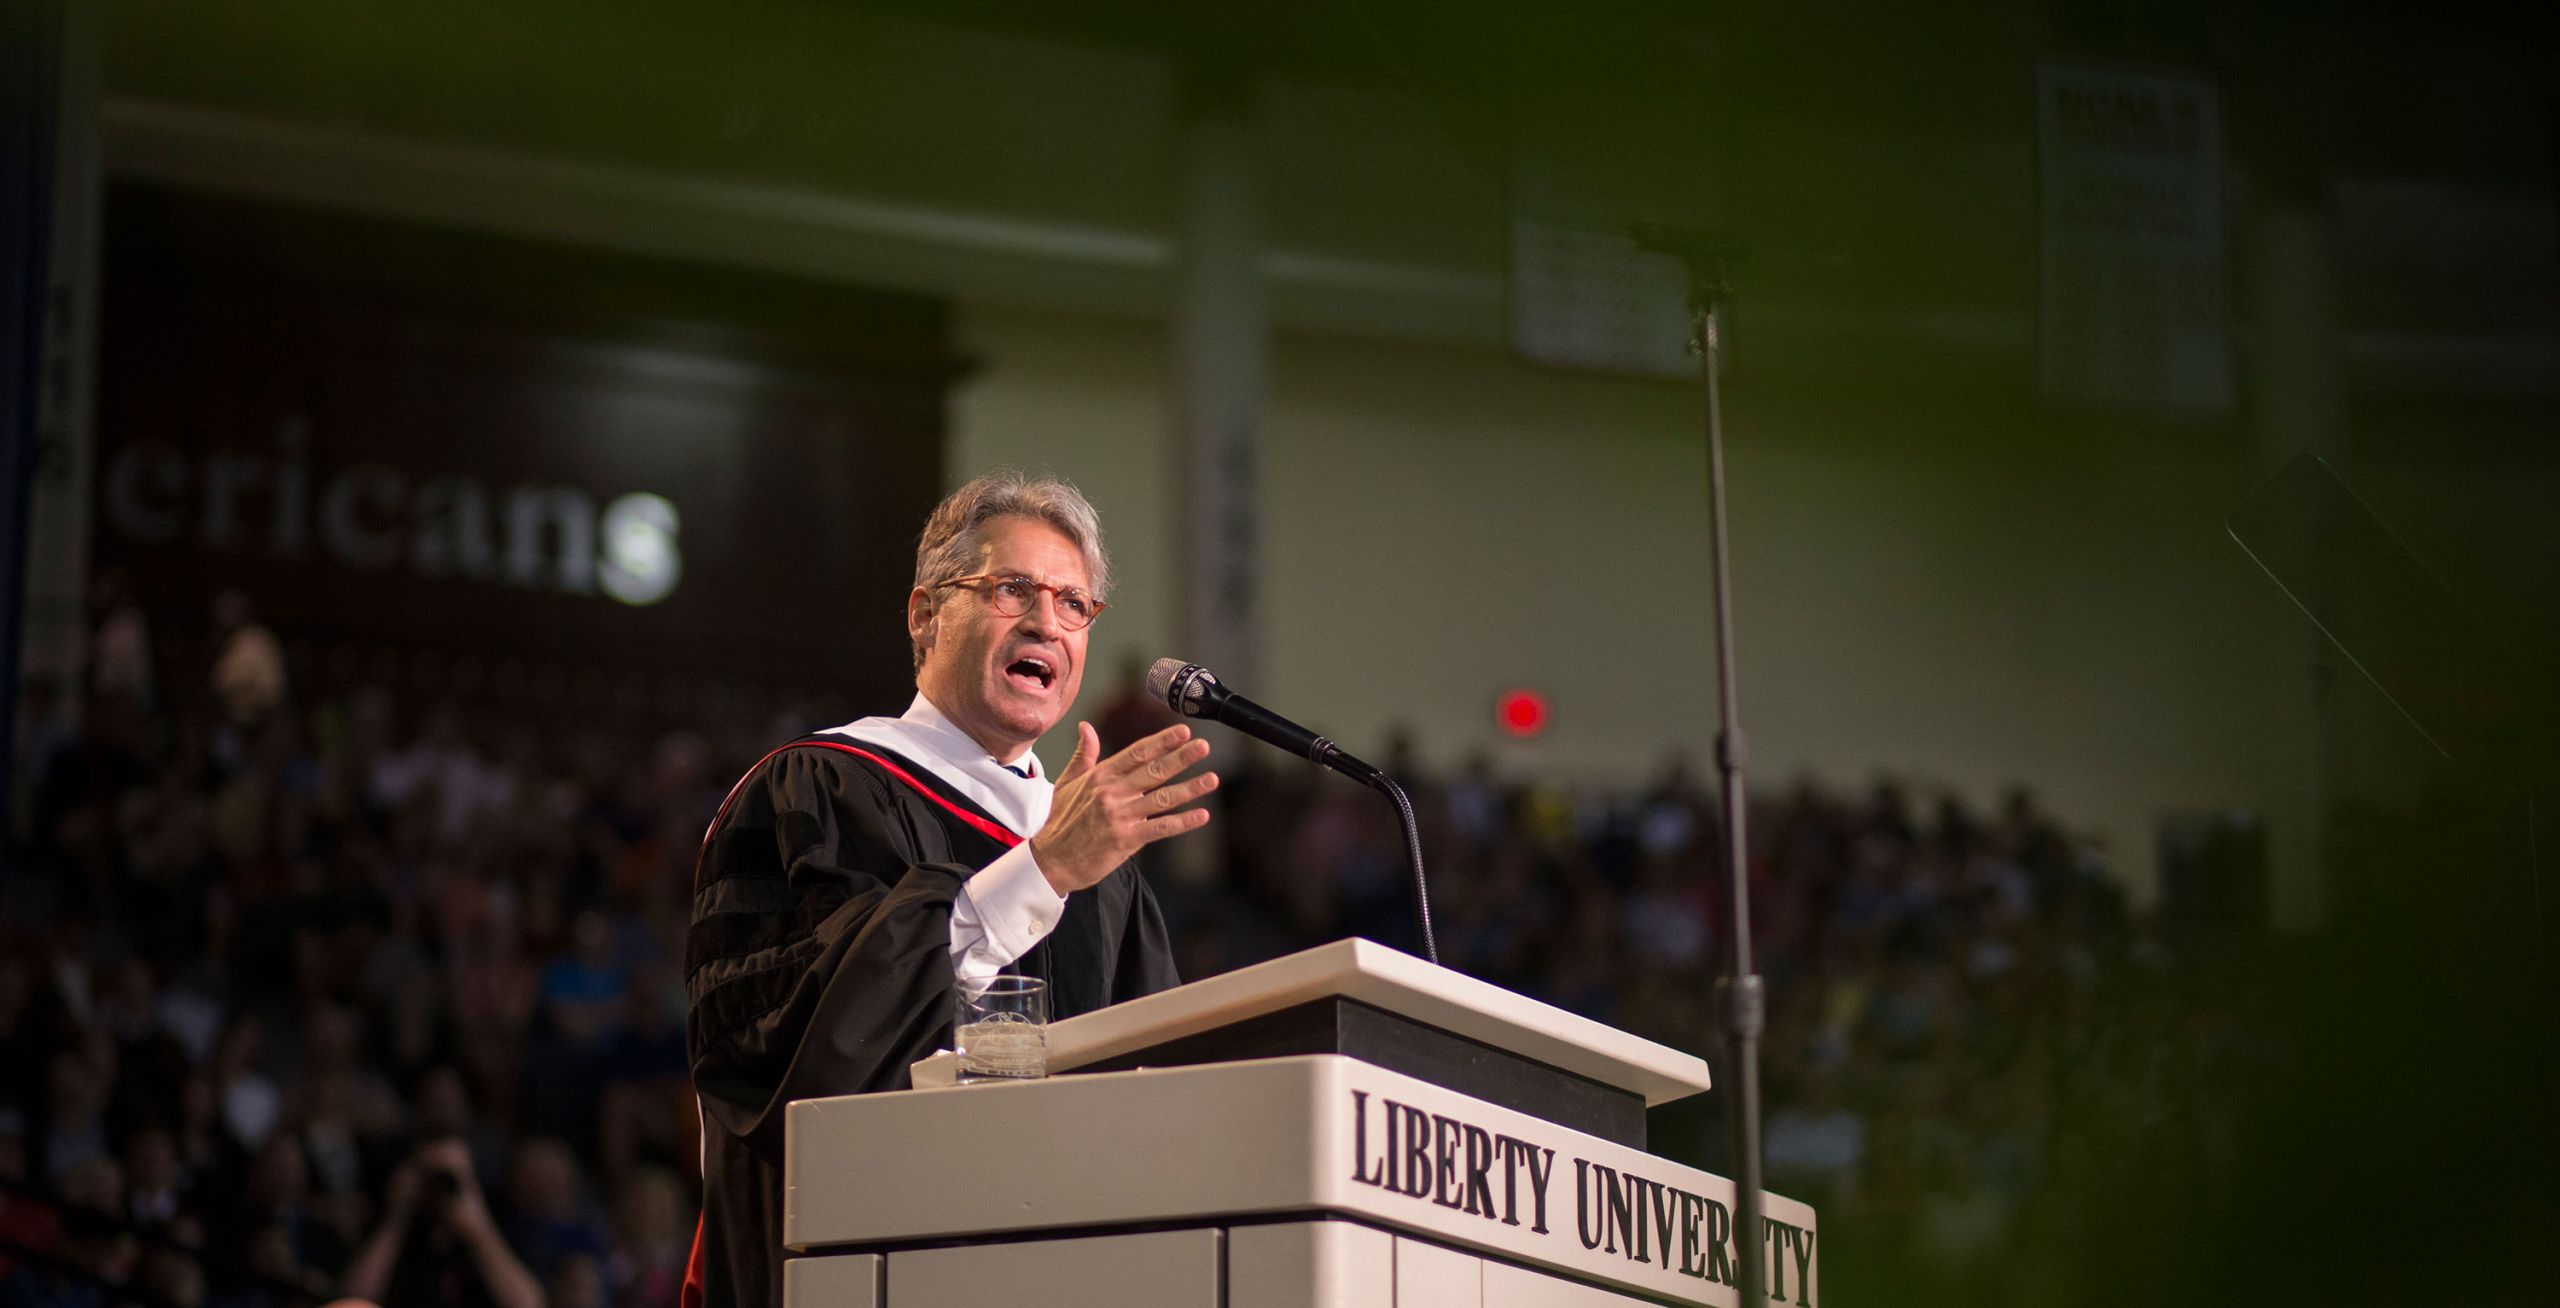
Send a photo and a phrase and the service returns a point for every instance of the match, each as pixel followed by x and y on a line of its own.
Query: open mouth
pixel 1031 672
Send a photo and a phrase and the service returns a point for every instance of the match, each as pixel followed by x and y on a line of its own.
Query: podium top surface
pixel 1386 979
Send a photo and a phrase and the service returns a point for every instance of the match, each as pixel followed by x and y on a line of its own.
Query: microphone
pixel 1193 691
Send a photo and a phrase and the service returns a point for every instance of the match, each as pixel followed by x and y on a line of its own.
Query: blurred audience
pixel 284 981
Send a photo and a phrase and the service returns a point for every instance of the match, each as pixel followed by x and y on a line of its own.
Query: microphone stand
pixel 1744 1001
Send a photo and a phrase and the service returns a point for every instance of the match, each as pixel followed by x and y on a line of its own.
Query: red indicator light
pixel 1520 712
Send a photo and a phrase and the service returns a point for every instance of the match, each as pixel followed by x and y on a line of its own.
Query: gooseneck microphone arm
pixel 1193 691
pixel 1386 785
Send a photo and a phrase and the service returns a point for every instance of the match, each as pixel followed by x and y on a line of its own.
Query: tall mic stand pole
pixel 1744 1002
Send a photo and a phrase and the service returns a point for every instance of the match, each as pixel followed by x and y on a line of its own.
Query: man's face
pixel 1005 681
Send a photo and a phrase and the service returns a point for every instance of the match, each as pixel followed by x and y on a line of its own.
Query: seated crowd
pixel 302 1000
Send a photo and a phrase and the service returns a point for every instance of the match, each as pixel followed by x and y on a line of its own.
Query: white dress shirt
pixel 1007 906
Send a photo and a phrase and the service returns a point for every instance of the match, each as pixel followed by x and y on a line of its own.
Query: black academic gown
pixel 819 963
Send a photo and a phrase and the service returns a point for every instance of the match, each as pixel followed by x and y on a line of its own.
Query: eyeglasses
pixel 1013 596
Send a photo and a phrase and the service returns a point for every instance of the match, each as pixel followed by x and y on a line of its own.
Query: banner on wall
pixel 413 448
pixel 2133 309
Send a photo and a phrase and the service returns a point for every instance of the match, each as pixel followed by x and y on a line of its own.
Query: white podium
pixel 1349 1126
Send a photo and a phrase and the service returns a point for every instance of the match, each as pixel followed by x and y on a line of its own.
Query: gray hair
pixel 949 546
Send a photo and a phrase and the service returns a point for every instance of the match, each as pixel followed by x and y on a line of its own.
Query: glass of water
pixel 1003 1029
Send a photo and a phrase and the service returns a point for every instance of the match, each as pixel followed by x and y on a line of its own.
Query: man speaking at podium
pixel 854 874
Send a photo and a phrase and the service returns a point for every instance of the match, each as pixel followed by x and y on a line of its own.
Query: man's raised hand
pixel 1105 811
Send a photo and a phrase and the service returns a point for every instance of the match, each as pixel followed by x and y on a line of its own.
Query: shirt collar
pixel 925 734
pixel 958 745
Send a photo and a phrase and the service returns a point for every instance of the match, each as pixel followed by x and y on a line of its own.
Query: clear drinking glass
pixel 1003 1029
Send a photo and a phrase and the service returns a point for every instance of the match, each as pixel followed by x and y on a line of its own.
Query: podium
pixel 1348 1127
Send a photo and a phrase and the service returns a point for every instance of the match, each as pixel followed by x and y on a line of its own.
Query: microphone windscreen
pixel 1160 680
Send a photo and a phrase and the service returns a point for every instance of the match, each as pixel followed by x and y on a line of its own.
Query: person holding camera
pixel 436 1246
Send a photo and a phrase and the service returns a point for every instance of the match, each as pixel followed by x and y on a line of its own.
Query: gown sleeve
pixel 1145 965
pixel 819 957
